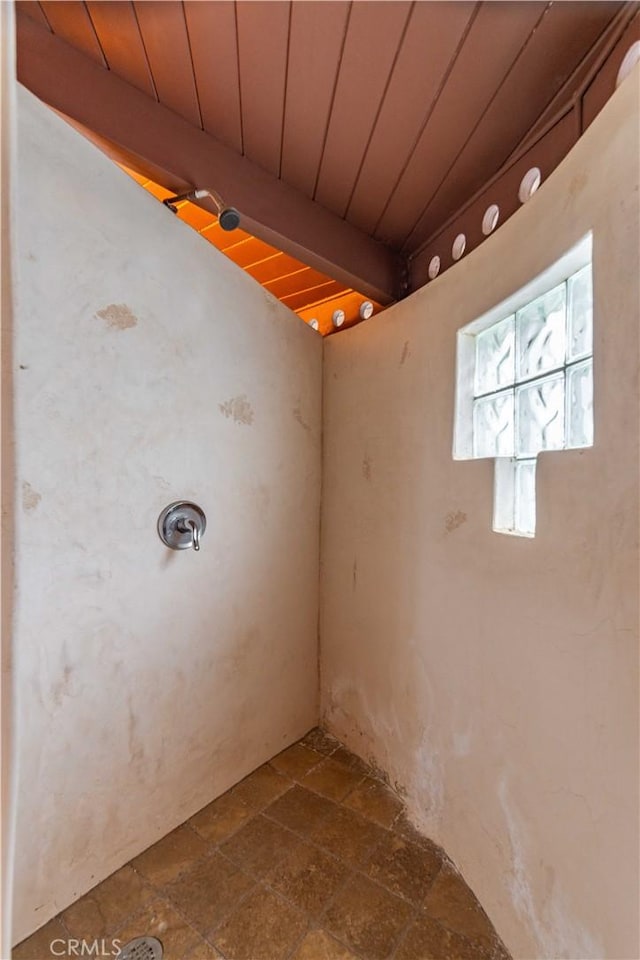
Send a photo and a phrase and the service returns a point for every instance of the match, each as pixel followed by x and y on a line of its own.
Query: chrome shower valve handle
pixel 190 526
pixel 182 525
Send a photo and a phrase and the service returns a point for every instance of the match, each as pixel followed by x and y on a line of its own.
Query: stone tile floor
pixel 310 857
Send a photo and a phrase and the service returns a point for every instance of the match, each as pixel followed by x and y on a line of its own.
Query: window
pixel 525 384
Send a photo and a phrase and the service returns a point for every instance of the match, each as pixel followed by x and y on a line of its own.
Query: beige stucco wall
pixel 150 680
pixel 7 717
pixel 496 678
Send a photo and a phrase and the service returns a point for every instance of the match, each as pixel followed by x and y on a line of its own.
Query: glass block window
pixel 531 371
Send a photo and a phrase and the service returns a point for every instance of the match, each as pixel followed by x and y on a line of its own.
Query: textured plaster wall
pixel 7 225
pixel 148 368
pixel 494 677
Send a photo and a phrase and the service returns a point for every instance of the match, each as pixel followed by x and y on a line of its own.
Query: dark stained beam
pixel 156 139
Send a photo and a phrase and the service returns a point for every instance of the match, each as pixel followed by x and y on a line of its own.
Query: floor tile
pixel 320 741
pixel 167 858
pixel 296 761
pixel 453 904
pixel 42 944
pixel 404 828
pixel 403 868
pixel 352 762
pixel 159 919
pixel 427 940
pixel 308 878
pixel 331 779
pixel 375 801
pixel 208 892
pixel 204 951
pixel 348 836
pixel 219 819
pixel 259 846
pixel 261 787
pixel 367 918
pixel 264 927
pixel 300 810
pixel 108 905
pixel 319 945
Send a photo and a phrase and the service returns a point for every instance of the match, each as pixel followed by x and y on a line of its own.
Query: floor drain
pixel 142 948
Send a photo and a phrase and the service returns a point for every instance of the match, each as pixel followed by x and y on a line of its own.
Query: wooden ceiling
pixel 347 133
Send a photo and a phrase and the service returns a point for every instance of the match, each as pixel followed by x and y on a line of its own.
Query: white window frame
pixel 504 508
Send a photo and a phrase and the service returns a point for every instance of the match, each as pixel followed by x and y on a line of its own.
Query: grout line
pixel 258 882
pixel 404 933
pixel 189 923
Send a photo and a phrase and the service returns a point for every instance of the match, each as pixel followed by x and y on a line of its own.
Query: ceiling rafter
pixel 164 143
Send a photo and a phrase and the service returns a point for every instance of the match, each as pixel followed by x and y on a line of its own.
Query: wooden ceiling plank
pixel 222 239
pixel 372 43
pixel 197 217
pixel 236 238
pixel 33 10
pixel 494 41
pixel 272 268
pixel 434 34
pixel 149 137
pixel 292 273
pixel 566 33
pixel 302 280
pixel 117 29
pixel 297 301
pixel 317 37
pixel 334 300
pixel 164 33
pixel 212 34
pixel 580 77
pixel 253 252
pixel 282 287
pixel 70 21
pixel 271 256
pixel 263 41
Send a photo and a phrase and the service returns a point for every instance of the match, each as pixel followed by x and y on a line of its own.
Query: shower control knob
pixel 182 525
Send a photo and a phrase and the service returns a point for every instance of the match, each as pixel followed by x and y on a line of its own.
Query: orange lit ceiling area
pixel 325 304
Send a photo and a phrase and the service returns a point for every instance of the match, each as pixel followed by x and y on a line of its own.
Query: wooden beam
pixel 140 129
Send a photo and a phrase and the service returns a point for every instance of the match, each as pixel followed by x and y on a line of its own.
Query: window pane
pixel 580 315
pixel 525 497
pixel 540 416
pixel 493 426
pixel 495 357
pixel 540 334
pixel 580 404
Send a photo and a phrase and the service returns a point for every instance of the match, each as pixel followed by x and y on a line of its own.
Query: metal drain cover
pixel 142 948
